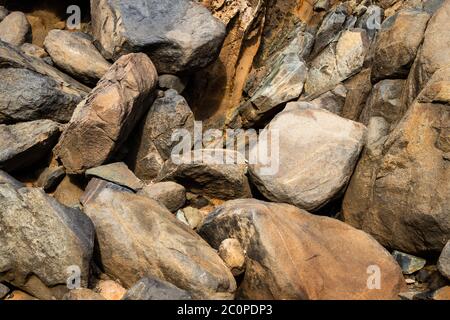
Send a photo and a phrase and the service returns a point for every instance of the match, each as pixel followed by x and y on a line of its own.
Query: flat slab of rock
pixel 218 173
pixel 31 89
pixel 75 53
pixel 23 144
pixel 15 29
pixel 155 289
pixel 444 261
pixel 317 153
pixel 177 36
pixel 117 173
pixel 292 254
pixel 103 121
pixel 50 178
pixel 44 239
pixel 139 238
pixel 170 194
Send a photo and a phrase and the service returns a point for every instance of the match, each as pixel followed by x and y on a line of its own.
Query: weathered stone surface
pixel 75 53
pixel 371 20
pixel 7 179
pixel 358 89
pixel 167 114
pixel 110 290
pixel 155 289
pixel 103 121
pixel 442 294
pixel 69 191
pixel 18 295
pixel 339 61
pixel 332 100
pixel 282 82
pixel 82 294
pixel 44 239
pixel 138 238
pixel 50 178
pixel 444 261
pixel 397 44
pixel 33 50
pixel 193 217
pixel 31 89
pixel 217 173
pixel 231 252
pixel 409 263
pixel 381 200
pixel 170 194
pixel 15 29
pixel 317 153
pixel 177 35
pixel 385 101
pixel 3 13
pixel 117 173
pixel 292 254
pixel 170 81
pixel 332 25
pixel 4 290
pixel 433 55
pixel 22 144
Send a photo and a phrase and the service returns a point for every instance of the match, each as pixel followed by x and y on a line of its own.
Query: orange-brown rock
pixel 292 254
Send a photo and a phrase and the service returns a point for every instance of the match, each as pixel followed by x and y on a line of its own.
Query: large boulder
pixel 292 254
pixel 155 289
pixel 317 152
pixel 217 173
pixel 390 193
pixel 433 55
pixel 104 120
pixel 398 42
pixel 177 35
pixel 138 237
pixel 15 29
pixel 154 142
pixel 23 144
pixel 31 89
pixel 42 243
pixel 75 53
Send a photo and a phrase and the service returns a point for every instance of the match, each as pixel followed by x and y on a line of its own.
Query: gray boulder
pixel 7 179
pixel 139 238
pixel 315 156
pixel 75 53
pixel 15 29
pixel 155 289
pixel 444 261
pixel 31 89
pixel 23 144
pixel 43 242
pixel 177 35
pixel 117 173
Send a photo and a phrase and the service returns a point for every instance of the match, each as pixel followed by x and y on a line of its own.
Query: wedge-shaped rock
pixel 117 173
pixel 292 254
pixel 139 238
pixel 104 120
pixel 75 53
pixel 43 242
pixel 315 156
pixel 399 192
pixel 31 89
pixel 177 35
pixel 15 29
pixel 22 144
pixel 337 62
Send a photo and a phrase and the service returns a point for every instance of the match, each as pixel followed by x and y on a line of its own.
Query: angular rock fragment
pixel 23 144
pixel 177 36
pixel 103 121
pixel 7 179
pixel 75 53
pixel 231 252
pixel 170 194
pixel 292 254
pixel 50 178
pixel 83 295
pixel 117 173
pixel 409 263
